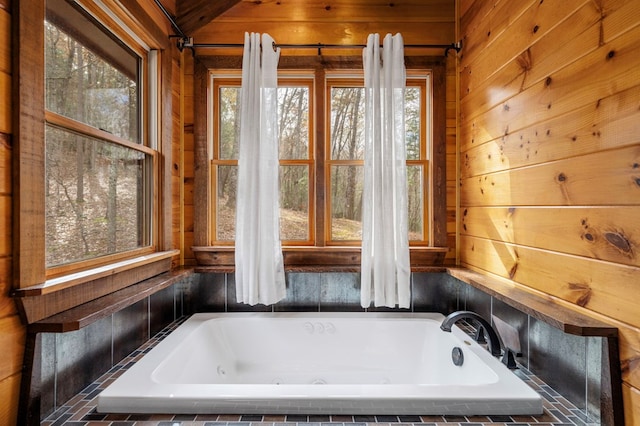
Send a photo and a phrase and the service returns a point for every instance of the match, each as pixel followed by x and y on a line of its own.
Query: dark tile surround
pixel 72 361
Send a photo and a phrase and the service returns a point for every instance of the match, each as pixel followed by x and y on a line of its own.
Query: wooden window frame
pixel 321 256
pixel 38 294
pixel 414 79
pixel 217 80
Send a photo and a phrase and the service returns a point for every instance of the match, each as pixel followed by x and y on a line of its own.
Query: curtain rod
pixel 173 22
pixel 188 42
pixel 185 41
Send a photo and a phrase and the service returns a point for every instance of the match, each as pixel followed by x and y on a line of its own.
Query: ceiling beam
pixel 194 14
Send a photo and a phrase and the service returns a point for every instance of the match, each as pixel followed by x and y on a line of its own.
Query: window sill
pixel 316 259
pixel 62 293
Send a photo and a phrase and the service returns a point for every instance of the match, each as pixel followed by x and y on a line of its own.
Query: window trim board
pixel 315 259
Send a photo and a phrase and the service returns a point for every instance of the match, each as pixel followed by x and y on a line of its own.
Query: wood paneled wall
pixel 451 153
pixel 550 156
pixel 12 332
pixel 189 156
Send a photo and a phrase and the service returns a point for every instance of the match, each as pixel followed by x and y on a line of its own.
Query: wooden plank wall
pixel 12 332
pixel 189 156
pixel 451 154
pixel 550 156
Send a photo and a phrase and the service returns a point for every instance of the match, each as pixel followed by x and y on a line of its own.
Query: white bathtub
pixel 318 363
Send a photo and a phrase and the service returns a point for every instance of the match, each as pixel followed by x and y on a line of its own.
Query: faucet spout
pixel 494 339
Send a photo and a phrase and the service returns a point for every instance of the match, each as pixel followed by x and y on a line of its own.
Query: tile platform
pixel 80 410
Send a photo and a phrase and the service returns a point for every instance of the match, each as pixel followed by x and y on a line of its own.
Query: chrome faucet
pixel 494 339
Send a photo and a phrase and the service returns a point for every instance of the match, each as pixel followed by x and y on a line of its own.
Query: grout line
pixel 226 293
pixel 148 298
pixel 113 334
pixel 55 369
pixel 528 341
pixel 586 376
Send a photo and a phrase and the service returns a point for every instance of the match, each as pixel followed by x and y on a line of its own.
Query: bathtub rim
pixel 241 397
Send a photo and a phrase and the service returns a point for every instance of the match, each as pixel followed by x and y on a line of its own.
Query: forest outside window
pixel 98 170
pixel 345 158
pixel 296 159
pixel 305 194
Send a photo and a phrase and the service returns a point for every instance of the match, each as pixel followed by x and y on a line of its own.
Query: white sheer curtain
pixel 385 243
pixel 258 253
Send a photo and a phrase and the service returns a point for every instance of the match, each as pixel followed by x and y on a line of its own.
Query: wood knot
pixel 611 54
pixel 562 177
pixel 535 29
pixel 619 241
pixel 524 60
pixel 586 291
pixel 588 237
pixel 513 270
pixel 548 81
pixel 327 7
pixel 627 364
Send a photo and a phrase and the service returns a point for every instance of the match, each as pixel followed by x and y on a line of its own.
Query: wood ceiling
pixel 316 21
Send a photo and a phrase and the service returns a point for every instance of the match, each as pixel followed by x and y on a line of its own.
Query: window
pixel 327 249
pixel 345 158
pixel 339 158
pixel 98 171
pixel 295 104
pixel 86 138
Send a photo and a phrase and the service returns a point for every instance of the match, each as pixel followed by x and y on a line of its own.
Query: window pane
pixel 294 203
pixel 412 122
pixel 293 116
pixel 347 123
pixel 95 198
pixel 226 203
pixel 87 83
pixel 415 192
pixel 229 119
pixel 346 202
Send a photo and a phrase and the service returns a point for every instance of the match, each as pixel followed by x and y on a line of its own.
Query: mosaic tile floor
pixel 81 409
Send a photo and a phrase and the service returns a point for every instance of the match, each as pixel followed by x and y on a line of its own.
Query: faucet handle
pixel 479 336
pixel 510 341
pixel 509 359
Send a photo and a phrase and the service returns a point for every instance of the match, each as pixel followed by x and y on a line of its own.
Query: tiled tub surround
pixel 81 409
pixel 72 361
pixel 319 363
